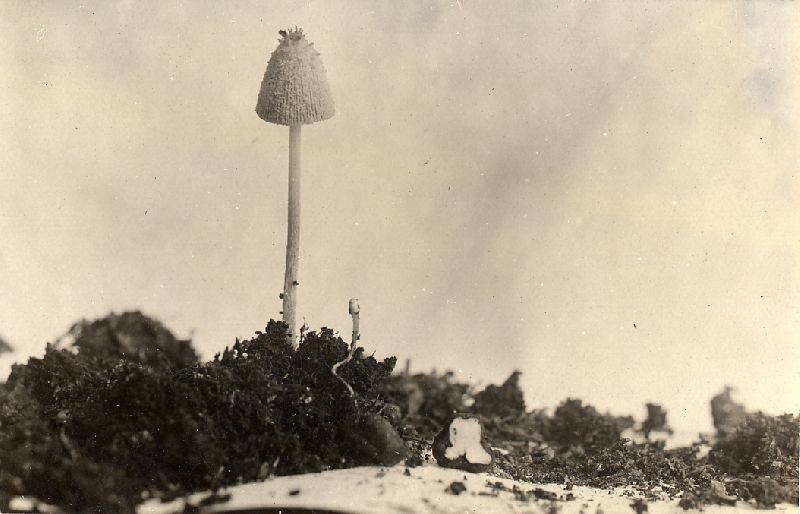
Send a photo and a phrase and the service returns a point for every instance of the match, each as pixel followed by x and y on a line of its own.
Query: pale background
pixel 506 185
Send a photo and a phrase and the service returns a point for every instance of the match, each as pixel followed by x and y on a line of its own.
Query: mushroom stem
pixel 354 311
pixel 292 236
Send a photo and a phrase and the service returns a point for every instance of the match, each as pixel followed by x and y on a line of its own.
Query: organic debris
pixel 726 413
pixel 501 401
pixel 456 488
pixel 541 494
pixel 656 420
pixel 639 506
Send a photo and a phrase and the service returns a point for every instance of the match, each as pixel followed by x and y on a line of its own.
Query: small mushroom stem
pixel 356 335
pixel 354 312
pixel 290 282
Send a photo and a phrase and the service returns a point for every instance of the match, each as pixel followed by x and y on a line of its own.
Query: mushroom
pixel 294 92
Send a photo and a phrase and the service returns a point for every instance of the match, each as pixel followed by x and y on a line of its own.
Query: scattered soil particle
pixel 456 488
pixel 541 494
pixel 639 506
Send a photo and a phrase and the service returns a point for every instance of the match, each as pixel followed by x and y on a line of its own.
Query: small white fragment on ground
pixel 465 438
pixel 501 451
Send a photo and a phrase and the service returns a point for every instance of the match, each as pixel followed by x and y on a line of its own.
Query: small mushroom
pixel 294 92
pixel 461 444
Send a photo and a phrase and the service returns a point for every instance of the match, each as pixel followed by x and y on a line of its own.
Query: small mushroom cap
pixel 295 90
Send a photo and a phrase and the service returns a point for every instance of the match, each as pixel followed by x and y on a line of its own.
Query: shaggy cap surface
pixel 294 90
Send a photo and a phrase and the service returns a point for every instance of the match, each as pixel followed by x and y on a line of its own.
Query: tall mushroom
pixel 294 92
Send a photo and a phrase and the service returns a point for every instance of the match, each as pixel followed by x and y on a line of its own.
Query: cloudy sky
pixel 603 195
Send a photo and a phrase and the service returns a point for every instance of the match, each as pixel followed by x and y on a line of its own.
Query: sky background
pixel 601 195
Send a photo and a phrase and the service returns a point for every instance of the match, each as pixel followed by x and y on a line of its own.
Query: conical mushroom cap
pixel 294 90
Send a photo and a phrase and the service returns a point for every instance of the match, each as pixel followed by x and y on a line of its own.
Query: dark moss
pixel 763 446
pixel 133 337
pixel 577 425
pixel 766 492
pixel 501 401
pixel 726 413
pixel 427 401
pixel 101 429
pixel 656 420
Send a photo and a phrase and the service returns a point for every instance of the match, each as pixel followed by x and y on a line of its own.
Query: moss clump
pixel 133 337
pixel 763 446
pixel 766 492
pixel 656 420
pixel 577 425
pixel 726 413
pixel 427 401
pixel 99 431
pixel 761 455
pixel 501 401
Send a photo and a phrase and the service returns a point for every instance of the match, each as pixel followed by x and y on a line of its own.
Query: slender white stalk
pixel 290 282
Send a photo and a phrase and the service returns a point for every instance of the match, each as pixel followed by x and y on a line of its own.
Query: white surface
pixel 371 490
